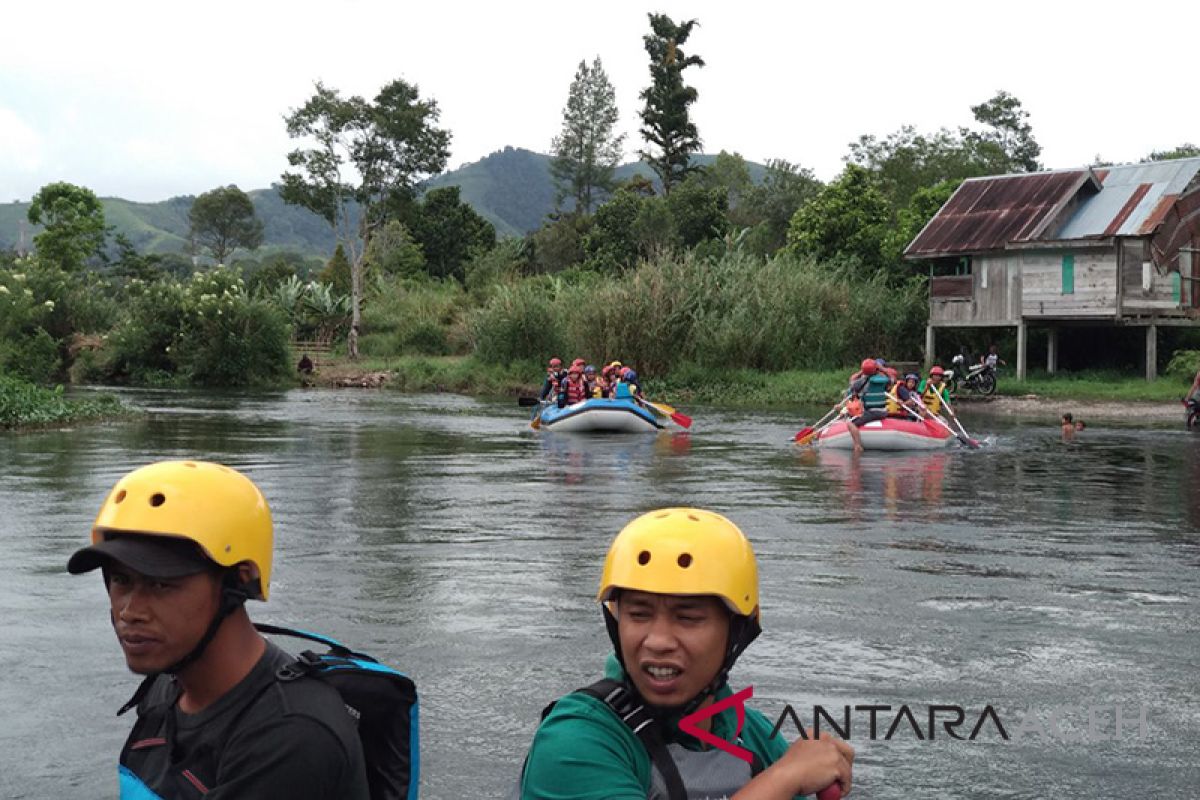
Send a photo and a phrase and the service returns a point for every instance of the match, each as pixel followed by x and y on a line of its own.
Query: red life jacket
pixel 577 391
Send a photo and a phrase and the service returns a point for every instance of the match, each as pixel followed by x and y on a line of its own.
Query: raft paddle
pixel 805 434
pixel 682 420
pixel 970 442
pixel 931 417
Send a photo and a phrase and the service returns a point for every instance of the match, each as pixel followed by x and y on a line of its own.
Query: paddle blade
pixel 663 407
pixel 682 420
pixel 526 402
pixel 803 433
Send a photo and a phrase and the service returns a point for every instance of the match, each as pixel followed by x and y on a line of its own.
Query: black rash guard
pixel 265 738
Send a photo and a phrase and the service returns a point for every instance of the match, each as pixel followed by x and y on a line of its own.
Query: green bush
pixel 413 316
pixel 227 338
pixel 139 349
pixel 205 331
pixel 1184 364
pixel 518 322
pixel 26 347
pixel 504 262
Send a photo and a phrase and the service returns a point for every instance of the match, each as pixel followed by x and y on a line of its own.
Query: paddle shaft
pixel 954 416
pixel 682 420
pixel 917 400
pixel 824 422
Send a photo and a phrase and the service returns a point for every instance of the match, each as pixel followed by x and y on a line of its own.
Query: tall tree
pixel 74 224
pixel 730 175
pixel 666 123
pixel 450 232
pixel 906 161
pixel 223 220
pixel 586 151
pixel 849 218
pixel 369 157
pixel 771 205
pixel 1009 133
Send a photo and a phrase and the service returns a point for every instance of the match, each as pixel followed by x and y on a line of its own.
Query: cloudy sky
pixel 147 100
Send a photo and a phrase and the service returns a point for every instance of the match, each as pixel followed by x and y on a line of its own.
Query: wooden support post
pixel 1021 349
pixel 930 341
pixel 1052 350
pixel 1151 352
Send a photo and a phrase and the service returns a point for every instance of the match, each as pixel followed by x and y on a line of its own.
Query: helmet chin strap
pixel 233 596
pixel 742 631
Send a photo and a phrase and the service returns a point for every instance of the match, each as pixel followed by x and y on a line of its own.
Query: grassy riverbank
pixel 1099 386
pixel 724 387
pixel 24 405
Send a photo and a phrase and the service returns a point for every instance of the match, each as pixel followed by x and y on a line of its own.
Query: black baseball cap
pixel 155 556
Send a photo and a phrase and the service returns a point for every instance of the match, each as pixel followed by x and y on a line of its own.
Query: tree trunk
pixel 356 267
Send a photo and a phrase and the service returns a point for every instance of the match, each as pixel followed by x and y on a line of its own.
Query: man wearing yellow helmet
pixel 679 595
pixel 181 546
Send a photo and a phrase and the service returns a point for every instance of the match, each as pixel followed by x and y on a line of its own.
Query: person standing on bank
pixel 679 594
pixel 181 546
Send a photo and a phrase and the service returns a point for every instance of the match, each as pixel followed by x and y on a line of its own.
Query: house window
pixel 964 266
pixel 1176 288
pixel 1068 273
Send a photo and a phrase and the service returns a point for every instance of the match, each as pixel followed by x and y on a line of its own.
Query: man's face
pixel 159 620
pixel 672 645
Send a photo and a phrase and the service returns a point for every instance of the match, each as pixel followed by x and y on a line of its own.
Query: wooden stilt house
pixel 1111 246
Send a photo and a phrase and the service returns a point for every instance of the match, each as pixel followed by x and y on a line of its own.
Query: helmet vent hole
pixel 644 557
pixel 662 515
pixel 693 518
pixel 189 464
pixel 157 499
pixel 120 496
pixel 685 560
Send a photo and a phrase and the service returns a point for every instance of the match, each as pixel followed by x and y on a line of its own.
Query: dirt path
pixel 1049 408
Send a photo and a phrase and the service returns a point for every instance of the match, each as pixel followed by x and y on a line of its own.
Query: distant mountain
pixel 511 188
pixel 163 227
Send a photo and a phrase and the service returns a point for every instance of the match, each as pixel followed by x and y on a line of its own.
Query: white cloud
pixel 146 100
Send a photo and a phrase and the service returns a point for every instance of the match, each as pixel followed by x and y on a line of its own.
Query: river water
pixel 444 536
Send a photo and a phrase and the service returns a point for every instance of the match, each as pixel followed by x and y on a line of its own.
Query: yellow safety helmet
pixel 684 551
pixel 217 507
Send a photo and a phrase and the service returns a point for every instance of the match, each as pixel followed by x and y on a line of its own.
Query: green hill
pixel 511 188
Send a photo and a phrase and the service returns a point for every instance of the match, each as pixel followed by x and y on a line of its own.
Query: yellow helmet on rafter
pixel 684 551
pixel 214 506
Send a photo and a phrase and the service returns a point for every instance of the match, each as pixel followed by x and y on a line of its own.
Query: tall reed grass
pixel 733 312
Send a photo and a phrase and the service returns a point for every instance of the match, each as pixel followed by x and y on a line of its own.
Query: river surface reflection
pixel 443 535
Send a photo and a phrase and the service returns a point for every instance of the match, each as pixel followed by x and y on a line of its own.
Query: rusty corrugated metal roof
pixel 1134 200
pixel 988 213
pixel 995 212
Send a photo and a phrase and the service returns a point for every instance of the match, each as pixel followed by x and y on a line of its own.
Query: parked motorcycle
pixel 977 379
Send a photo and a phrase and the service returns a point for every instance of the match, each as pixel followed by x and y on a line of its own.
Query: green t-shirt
pixel 583 751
